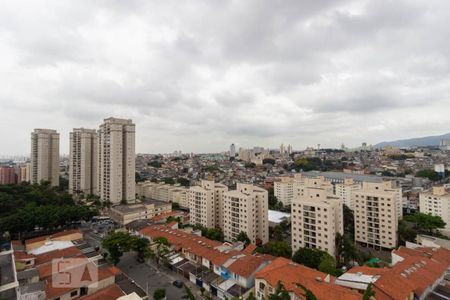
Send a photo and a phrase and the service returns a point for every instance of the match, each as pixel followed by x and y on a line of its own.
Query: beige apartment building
pixel 284 190
pixel 345 190
pixel 116 146
pixel 83 162
pixel 375 211
pixel 316 216
pixel 163 192
pixel 246 209
pixel 44 156
pixel 436 202
pixel 124 214
pixel 205 202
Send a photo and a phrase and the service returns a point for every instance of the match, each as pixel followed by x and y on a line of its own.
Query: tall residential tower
pixel 45 156
pixel 83 162
pixel 116 146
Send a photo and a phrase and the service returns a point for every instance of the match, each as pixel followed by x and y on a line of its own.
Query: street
pixel 148 276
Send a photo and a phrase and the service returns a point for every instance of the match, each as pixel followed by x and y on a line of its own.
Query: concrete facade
pixel 436 202
pixel 316 216
pixel 45 156
pixel 116 146
pixel 376 217
pixel 246 209
pixel 83 162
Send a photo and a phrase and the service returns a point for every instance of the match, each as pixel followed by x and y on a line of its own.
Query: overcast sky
pixel 199 75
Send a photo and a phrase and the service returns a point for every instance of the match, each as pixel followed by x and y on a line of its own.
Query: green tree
pixel 406 232
pixel 277 233
pixel 308 293
pixel 188 293
pixel 328 264
pixel 250 165
pixel 270 161
pixel 309 257
pixel 276 248
pixel 155 164
pixel 280 293
pixel 169 180
pixel 138 177
pixel 349 221
pixel 141 246
pixel 251 296
pixel 243 237
pixel 345 249
pixel 159 294
pixel 116 243
pixel 426 222
pixel 369 292
pixel 183 181
pixel 428 173
pixel 272 199
pixel 215 234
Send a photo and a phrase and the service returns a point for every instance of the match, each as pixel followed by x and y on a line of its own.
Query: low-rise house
pixel 226 270
pixel 415 274
pixel 296 278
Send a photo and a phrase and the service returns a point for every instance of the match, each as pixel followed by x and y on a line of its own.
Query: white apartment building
pixel 246 209
pixel 375 211
pixel 45 156
pixel 163 192
pixel 205 202
pixel 437 203
pixel 116 146
pixel 284 190
pixel 233 151
pixel 83 162
pixel 316 216
pixel 345 190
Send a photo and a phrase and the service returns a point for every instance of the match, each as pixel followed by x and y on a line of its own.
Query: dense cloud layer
pixel 199 75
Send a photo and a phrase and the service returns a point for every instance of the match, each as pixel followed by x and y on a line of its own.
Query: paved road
pixel 148 276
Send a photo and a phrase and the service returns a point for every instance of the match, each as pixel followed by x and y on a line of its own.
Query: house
pixel 294 276
pixel 226 270
pixel 415 274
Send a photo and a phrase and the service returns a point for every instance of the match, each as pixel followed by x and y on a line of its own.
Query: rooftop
pixel 291 274
pixel 51 246
pixel 277 216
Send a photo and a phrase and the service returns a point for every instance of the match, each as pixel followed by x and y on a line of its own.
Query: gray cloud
pixel 199 76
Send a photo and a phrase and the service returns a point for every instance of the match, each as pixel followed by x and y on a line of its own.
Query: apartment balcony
pixel 309 214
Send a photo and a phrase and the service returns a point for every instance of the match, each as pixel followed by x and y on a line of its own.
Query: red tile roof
pixel 250 249
pixel 201 246
pixel 413 274
pixel 60 253
pixel 291 274
pixel 249 264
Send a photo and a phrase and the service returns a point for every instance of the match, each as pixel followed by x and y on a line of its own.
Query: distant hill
pixel 416 142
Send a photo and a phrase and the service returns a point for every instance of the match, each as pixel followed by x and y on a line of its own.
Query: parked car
pixel 178 284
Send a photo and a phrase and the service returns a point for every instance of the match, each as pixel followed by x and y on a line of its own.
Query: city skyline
pixel 292 72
